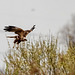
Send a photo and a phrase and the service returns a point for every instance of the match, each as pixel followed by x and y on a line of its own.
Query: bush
pixel 40 57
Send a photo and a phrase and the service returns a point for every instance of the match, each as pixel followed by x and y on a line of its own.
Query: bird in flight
pixel 21 34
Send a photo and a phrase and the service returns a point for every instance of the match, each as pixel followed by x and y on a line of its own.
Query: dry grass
pixel 40 58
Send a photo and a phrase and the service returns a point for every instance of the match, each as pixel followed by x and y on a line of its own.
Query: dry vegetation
pixel 40 57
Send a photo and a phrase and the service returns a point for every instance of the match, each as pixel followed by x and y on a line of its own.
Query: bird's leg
pixel 18 41
pixel 15 42
pixel 14 45
pixel 17 46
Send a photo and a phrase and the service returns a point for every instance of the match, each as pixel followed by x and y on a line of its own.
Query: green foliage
pixel 40 57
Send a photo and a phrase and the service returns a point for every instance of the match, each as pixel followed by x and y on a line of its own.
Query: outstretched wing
pixel 14 29
pixel 26 32
pixel 19 31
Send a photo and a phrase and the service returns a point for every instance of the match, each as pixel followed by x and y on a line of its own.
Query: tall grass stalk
pixel 40 57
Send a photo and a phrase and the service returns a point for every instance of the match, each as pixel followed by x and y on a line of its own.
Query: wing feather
pixel 18 30
pixel 14 29
pixel 26 32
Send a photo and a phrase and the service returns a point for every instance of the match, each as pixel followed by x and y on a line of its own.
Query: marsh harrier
pixel 21 34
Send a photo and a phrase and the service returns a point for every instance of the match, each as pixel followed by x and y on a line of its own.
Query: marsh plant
pixel 40 57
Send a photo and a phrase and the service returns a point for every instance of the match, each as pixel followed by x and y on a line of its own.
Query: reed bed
pixel 40 57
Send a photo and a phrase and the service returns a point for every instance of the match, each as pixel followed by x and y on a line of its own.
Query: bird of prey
pixel 21 34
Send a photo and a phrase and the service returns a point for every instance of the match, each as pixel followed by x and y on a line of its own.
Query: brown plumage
pixel 21 34
pixel 17 39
